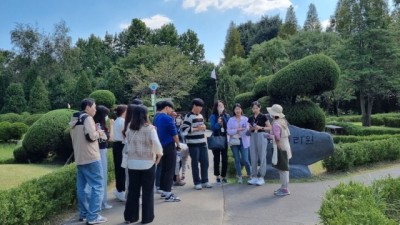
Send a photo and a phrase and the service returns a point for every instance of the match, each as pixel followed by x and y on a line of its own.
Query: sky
pixel 210 19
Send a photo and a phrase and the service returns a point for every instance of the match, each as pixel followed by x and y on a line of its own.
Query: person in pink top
pixel 280 135
pixel 237 127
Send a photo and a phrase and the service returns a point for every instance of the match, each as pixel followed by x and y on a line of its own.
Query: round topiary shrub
pixel 245 99
pixel 20 155
pixel 17 130
pixel 306 114
pixel 31 119
pixel 47 135
pixel 11 117
pixel 311 75
pixel 261 87
pixel 4 131
pixel 103 97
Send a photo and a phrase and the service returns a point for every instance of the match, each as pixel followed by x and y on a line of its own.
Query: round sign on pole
pixel 153 86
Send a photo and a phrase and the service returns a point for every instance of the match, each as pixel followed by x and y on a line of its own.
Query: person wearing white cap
pixel 280 135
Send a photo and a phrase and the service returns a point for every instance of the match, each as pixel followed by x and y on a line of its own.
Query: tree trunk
pixel 369 109
pixel 364 119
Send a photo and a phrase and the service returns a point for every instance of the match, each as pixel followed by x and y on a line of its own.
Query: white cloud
pixel 124 26
pixel 253 7
pixel 325 24
pixel 156 21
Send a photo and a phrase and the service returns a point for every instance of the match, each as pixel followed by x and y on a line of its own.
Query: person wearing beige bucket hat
pixel 280 135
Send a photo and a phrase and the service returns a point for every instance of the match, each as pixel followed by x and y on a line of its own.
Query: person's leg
pixel 194 152
pixel 253 154
pixel 147 179
pixel 158 173
pixel 263 143
pixel 244 152
pixel 236 157
pixel 168 168
pixel 94 178
pixel 217 159
pixel 104 166
pixel 131 212
pixel 119 171
pixel 203 163
pixel 81 194
pixel 224 161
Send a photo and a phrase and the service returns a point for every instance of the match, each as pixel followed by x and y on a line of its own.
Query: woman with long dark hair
pixel 144 153
pixel 218 121
pixel 100 119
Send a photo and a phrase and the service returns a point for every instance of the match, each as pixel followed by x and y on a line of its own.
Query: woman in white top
pixel 144 153
pixel 118 146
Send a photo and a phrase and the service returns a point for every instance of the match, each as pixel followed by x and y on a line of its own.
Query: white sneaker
pixel 99 219
pixel 107 206
pixel 206 185
pixel 120 195
pixel 198 187
pixel 260 181
pixel 252 181
pixel 240 180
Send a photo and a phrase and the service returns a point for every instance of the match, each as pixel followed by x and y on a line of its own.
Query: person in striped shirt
pixel 193 129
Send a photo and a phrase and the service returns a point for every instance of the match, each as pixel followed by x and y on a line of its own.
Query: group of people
pixel 148 155
pixel 248 139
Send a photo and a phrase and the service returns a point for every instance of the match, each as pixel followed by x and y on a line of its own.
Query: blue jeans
pixel 241 154
pixel 104 166
pixel 199 154
pixel 91 175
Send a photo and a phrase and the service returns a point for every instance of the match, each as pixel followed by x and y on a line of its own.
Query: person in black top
pixel 259 124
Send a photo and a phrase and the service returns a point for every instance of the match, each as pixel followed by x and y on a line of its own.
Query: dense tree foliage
pixel 312 22
pixel 38 98
pixel 290 26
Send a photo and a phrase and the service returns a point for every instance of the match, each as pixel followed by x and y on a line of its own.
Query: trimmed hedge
pixel 261 87
pixel 47 135
pixel 11 117
pixel 103 97
pixel 38 199
pixel 352 138
pixel 245 99
pixel 12 131
pixel 31 119
pixel 350 155
pixel 312 75
pixel 382 119
pixel 306 114
pixel 357 204
pixel 351 129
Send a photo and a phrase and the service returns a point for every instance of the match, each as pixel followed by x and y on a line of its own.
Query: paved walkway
pixel 235 204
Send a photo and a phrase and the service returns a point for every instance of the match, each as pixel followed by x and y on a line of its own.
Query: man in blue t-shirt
pixel 168 136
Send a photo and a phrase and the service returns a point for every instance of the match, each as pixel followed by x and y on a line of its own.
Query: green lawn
pixel 12 175
pixel 6 151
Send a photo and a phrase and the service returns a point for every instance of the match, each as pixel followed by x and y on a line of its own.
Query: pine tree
pixel 14 99
pixel 312 22
pixel 233 47
pixel 83 89
pixel 290 26
pixel 39 98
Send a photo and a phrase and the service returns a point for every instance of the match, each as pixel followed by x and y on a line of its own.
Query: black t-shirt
pixel 260 120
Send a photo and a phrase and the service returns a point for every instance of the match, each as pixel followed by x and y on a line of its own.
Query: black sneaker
pixel 163 195
pixel 224 181
pixel 172 198
pixel 218 181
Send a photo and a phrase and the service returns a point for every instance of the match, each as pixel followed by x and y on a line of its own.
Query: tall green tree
pixel 368 57
pixel 233 47
pixel 83 88
pixel 15 101
pixel 289 28
pixel 190 46
pixel 136 35
pixel 166 35
pixel 268 57
pixel 39 98
pixel 165 65
pixel 312 22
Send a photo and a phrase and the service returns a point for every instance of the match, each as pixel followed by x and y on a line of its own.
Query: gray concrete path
pixel 236 204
